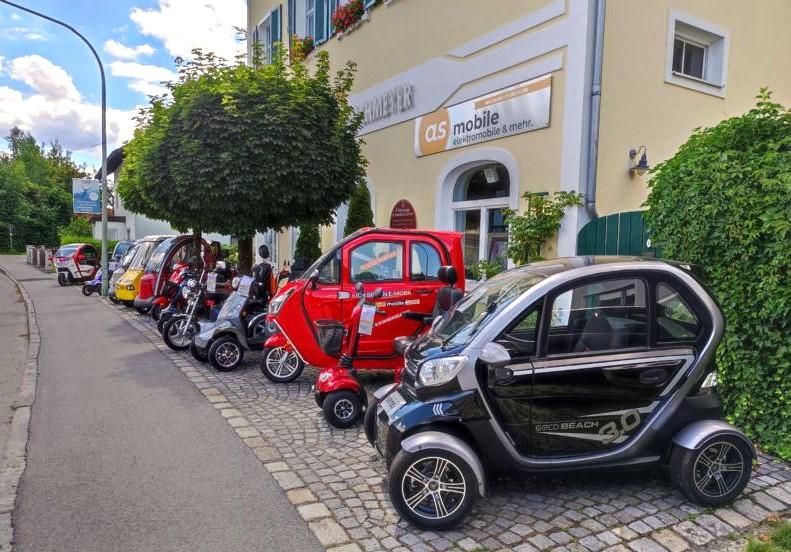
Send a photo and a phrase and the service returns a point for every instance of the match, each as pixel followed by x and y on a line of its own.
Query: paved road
pixel 124 454
pixel 13 349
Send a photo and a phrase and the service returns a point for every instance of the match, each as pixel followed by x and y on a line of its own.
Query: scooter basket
pixel 330 335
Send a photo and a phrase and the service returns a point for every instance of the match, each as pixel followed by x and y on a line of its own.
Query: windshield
pixel 66 251
pixel 121 249
pixel 475 310
pixel 141 255
pixel 128 256
pixel 157 258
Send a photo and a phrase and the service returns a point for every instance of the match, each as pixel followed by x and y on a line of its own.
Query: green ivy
pixel 723 202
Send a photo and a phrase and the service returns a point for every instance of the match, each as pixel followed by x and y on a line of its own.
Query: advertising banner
pixel 86 196
pixel 514 110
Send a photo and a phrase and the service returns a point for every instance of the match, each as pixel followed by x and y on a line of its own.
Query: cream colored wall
pixel 639 108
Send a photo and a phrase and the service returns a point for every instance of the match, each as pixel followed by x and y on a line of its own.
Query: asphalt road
pixel 13 350
pixel 125 454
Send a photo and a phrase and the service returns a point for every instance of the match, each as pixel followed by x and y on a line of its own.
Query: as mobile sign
pixel 514 110
pixel 86 196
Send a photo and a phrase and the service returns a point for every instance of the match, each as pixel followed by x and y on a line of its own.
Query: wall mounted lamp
pixel 638 165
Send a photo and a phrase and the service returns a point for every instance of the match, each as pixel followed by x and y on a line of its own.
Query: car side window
pixel 599 316
pixel 330 270
pixel 377 261
pixel 675 320
pixel 520 338
pixel 89 253
pixel 424 261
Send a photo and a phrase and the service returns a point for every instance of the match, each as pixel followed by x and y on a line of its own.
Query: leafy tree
pixel 723 202
pixel 307 245
pixel 360 214
pixel 79 226
pixel 540 220
pixel 242 148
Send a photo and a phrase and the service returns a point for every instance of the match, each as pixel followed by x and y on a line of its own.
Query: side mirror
pixel 314 279
pixel 495 355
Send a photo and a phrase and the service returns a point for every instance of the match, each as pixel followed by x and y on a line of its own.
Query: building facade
pixel 469 105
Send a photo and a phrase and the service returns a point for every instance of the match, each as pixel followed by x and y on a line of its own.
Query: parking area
pixel 335 480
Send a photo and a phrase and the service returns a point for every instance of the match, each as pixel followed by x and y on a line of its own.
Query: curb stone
pixel 15 452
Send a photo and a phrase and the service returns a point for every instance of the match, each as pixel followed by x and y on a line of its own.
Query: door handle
pixel 653 376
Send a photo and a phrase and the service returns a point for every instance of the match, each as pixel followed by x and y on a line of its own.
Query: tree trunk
pixel 245 256
pixel 197 242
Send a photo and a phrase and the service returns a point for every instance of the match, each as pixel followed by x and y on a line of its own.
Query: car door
pixel 327 299
pixel 87 259
pixel 597 380
pixel 425 259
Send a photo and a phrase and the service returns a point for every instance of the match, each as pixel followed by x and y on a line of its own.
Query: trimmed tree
pixel 240 149
pixel 723 202
pixel 308 243
pixel 360 214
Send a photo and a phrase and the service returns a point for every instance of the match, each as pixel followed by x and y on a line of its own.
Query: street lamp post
pixel 105 278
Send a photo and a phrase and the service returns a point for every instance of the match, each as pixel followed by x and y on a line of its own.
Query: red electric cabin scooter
pixel 338 391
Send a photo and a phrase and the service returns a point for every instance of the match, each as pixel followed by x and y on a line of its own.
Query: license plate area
pixel 393 402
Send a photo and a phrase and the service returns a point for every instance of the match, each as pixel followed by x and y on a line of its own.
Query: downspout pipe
pixel 595 110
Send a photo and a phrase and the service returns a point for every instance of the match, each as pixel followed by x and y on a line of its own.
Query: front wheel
pixel 433 489
pixel 342 409
pixel 62 279
pixel 281 365
pixel 113 299
pixel 226 354
pixel 178 334
pixel 716 473
pixel 142 310
pixel 369 421
pixel 87 290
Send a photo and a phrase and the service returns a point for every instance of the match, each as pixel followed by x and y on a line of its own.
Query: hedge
pixel 65 239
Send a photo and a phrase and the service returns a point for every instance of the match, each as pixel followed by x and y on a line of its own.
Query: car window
pixel 520 338
pixel 377 261
pixel 675 319
pixel 330 270
pixel 424 262
pixel 65 251
pixel 89 253
pixel 599 316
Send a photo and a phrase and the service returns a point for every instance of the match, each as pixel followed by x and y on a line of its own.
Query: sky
pixel 49 81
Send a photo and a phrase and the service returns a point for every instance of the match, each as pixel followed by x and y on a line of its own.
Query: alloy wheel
pixel 180 334
pixel 433 487
pixel 718 469
pixel 227 354
pixel 281 362
pixel 344 409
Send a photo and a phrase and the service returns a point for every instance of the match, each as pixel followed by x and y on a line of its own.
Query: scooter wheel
pixel 62 280
pixel 87 290
pixel 433 489
pixel 226 354
pixel 198 354
pixel 281 365
pixel 177 339
pixel 114 300
pixel 143 310
pixel 714 474
pixel 156 310
pixel 369 421
pixel 342 409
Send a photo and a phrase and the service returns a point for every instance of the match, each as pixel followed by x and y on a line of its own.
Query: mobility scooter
pixel 120 268
pixel 93 286
pixel 403 263
pixel 128 285
pixel 580 363
pixel 76 263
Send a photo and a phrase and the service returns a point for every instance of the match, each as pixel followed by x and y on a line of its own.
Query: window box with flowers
pixel 301 47
pixel 348 17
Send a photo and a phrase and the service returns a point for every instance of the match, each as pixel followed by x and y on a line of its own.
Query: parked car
pixel 582 363
pixel 118 253
pixel 76 263
pixel 120 268
pixel 128 286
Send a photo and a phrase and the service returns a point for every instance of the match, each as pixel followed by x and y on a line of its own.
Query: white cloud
pixel 148 88
pixel 44 77
pixel 146 79
pixel 183 25
pixel 23 33
pixel 55 110
pixel 16 17
pixel 121 51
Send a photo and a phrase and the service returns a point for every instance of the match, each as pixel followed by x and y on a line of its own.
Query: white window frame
pixel 715 41
pixel 688 42
pixel 310 19
pixel 263 28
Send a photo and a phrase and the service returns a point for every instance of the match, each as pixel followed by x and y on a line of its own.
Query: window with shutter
pixel 321 21
pixel 310 19
pixel 275 35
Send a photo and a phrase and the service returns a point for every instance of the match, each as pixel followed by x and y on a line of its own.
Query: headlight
pixel 192 283
pixel 710 381
pixel 185 292
pixel 440 370
pixel 277 303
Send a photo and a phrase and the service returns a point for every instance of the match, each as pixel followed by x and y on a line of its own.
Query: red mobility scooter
pixel 404 264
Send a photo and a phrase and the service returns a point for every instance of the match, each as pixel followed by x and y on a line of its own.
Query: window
pixel 697 54
pixel 675 320
pixel 267 35
pixel 377 262
pixel 424 262
pixel 599 316
pixel 330 270
pixel 310 18
pixel 520 339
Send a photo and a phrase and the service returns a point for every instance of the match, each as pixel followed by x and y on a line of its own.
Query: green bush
pixel 66 239
pixel 79 226
pixel 360 214
pixel 723 202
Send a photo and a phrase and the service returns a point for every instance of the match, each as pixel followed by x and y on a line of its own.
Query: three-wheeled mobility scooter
pixel 75 262
pixel 578 363
pixel 128 285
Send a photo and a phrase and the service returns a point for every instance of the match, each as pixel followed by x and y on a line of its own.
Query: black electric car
pixel 569 364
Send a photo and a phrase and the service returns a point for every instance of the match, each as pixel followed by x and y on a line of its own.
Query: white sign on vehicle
pixel 211 282
pixel 392 402
pixel 367 320
pixel 244 286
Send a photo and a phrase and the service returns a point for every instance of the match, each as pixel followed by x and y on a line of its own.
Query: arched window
pixel 480 196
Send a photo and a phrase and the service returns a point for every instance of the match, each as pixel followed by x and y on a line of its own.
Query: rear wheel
pixel 178 334
pixel 714 474
pixel 87 290
pixel 62 279
pixel 198 354
pixel 142 310
pixel 281 365
pixel 432 488
pixel 113 299
pixel 342 409
pixel 226 354
pixel 156 310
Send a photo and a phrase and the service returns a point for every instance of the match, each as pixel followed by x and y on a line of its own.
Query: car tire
pixel 369 421
pixel 113 299
pixel 87 290
pixel 715 473
pixel 170 334
pixel 281 365
pixel 62 279
pixel 156 310
pixel 342 409
pixel 405 488
pixel 226 354
pixel 198 354
pixel 142 310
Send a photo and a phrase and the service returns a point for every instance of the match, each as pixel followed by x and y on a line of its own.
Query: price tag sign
pixel 244 286
pixel 211 282
pixel 367 320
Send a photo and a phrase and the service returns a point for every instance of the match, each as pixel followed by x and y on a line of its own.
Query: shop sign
pixel 403 216
pixel 86 196
pixel 397 99
pixel 514 110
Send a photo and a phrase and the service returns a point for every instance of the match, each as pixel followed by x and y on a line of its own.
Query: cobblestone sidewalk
pixel 335 480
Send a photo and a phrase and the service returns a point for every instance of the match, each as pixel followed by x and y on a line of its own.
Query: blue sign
pixel 86 196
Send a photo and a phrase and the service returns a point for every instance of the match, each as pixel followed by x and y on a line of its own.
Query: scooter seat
pixel 401 344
